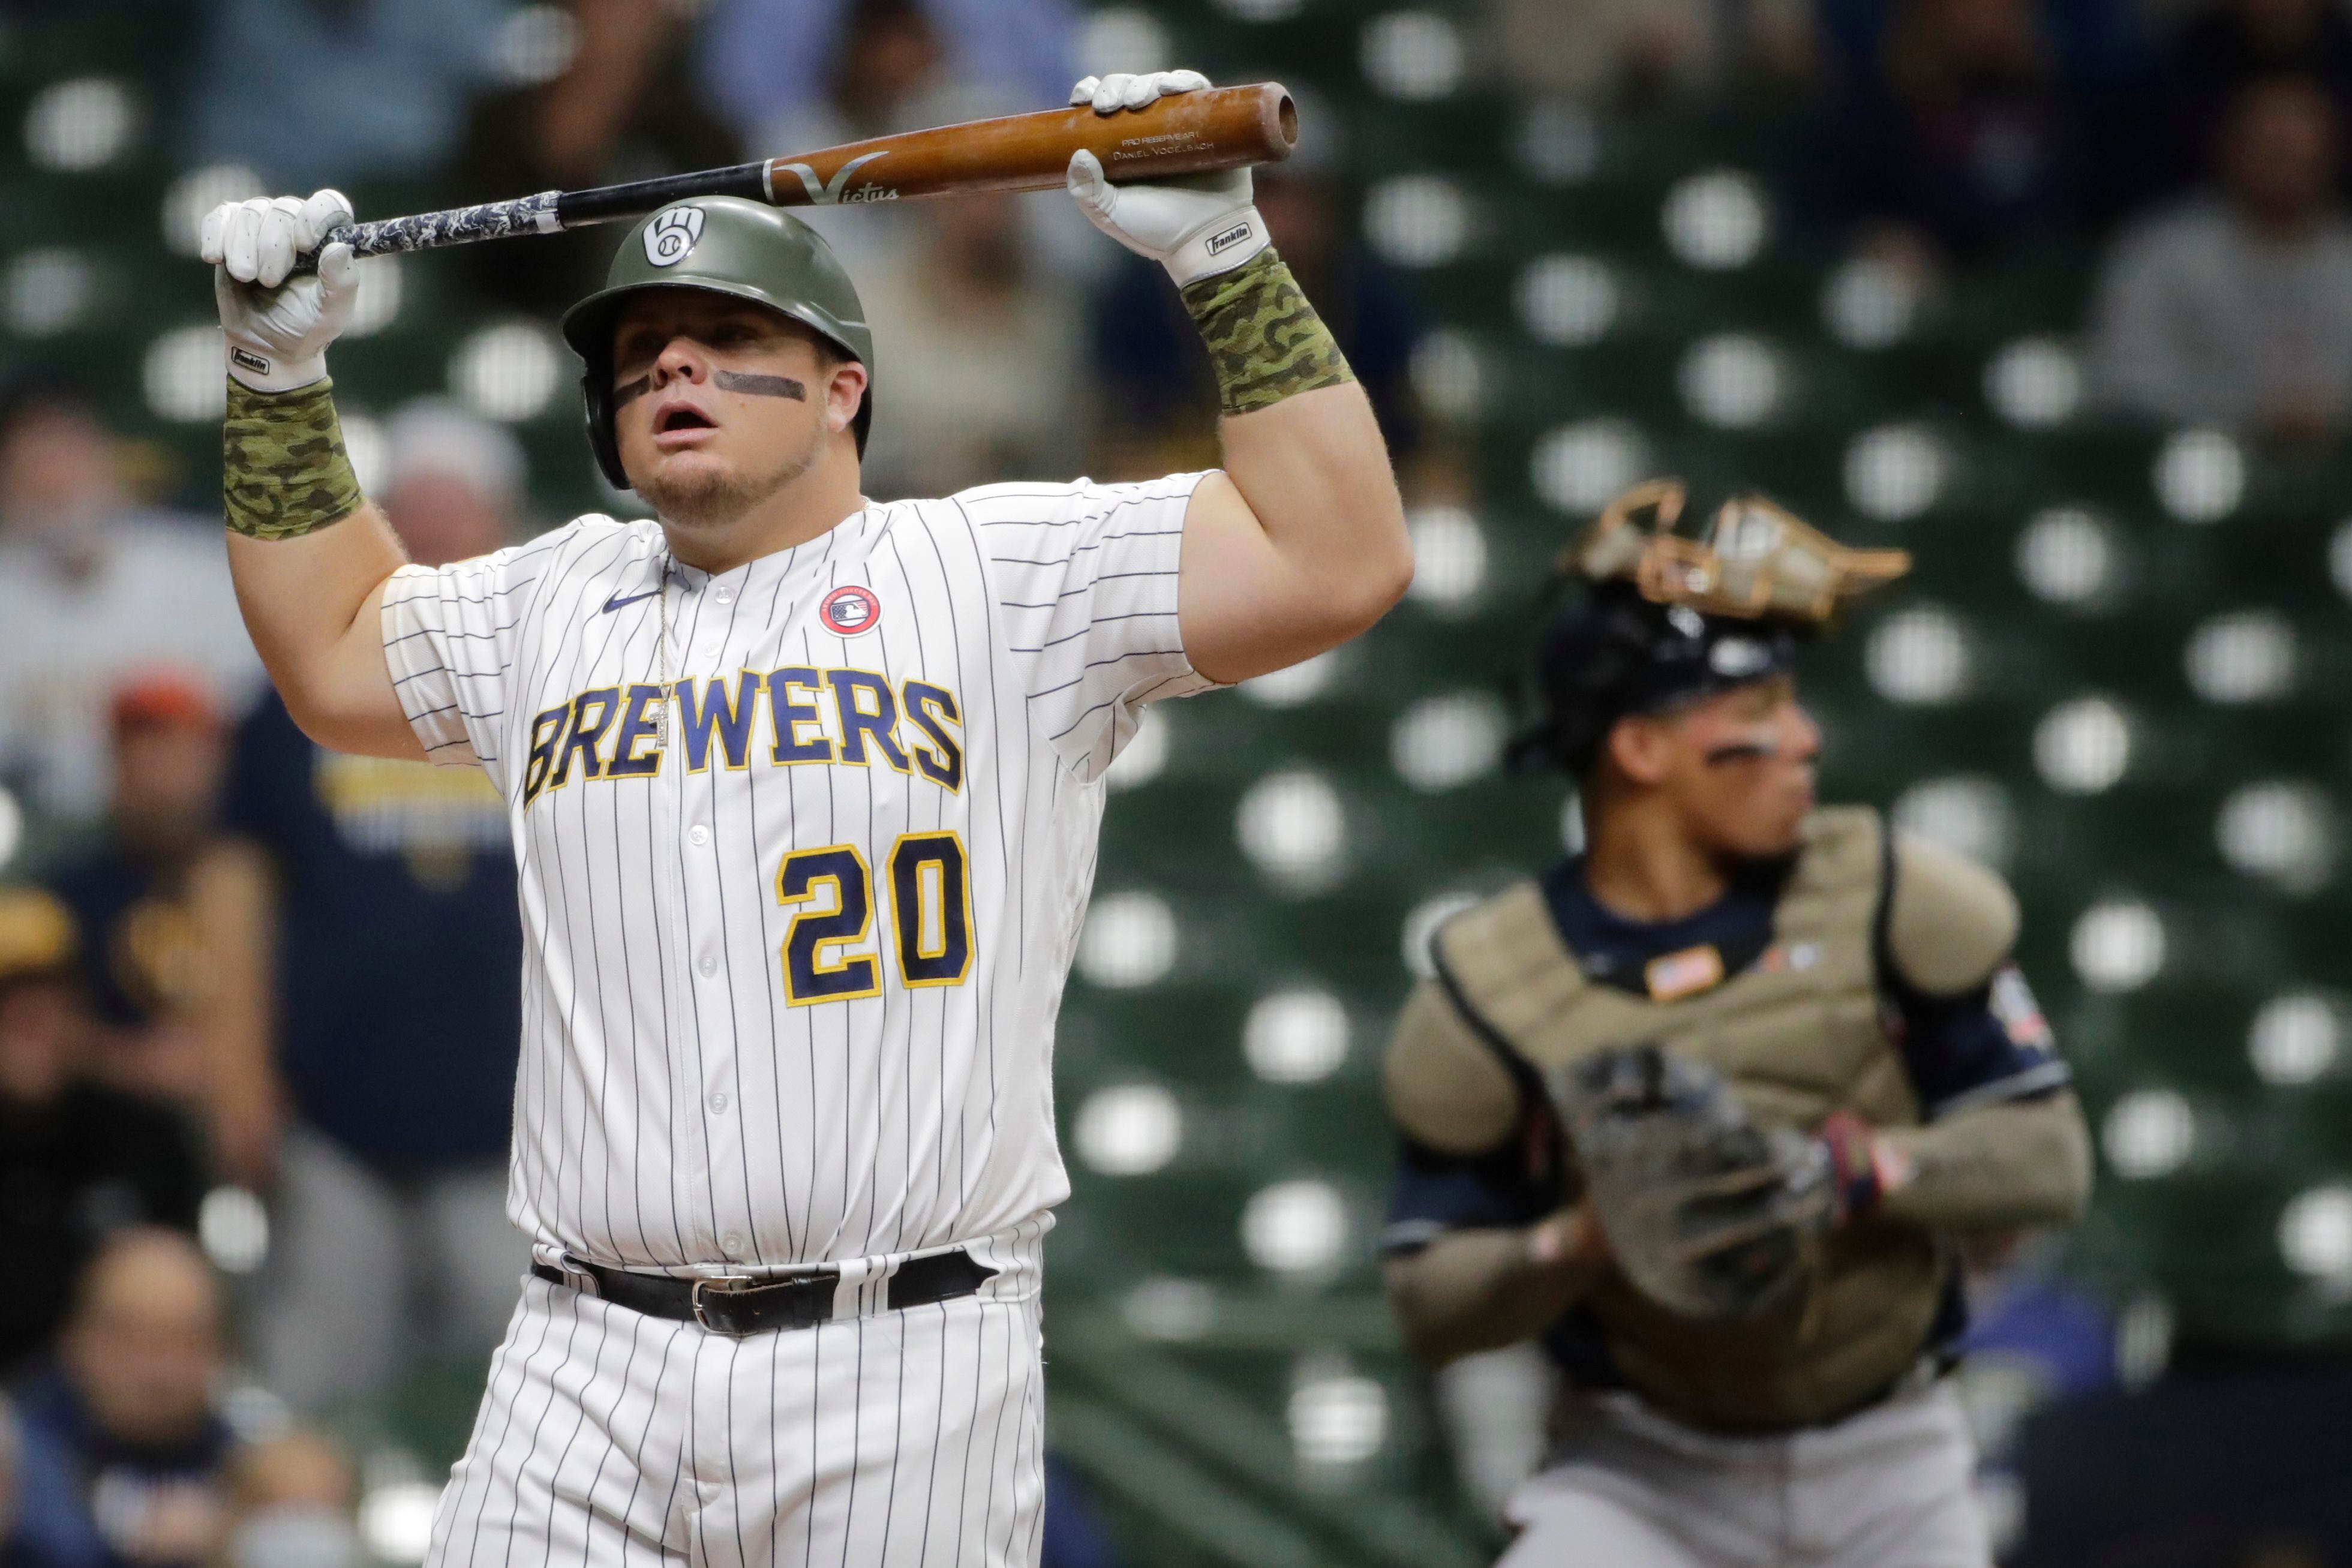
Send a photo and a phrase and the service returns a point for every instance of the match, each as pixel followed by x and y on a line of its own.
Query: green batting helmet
pixel 728 246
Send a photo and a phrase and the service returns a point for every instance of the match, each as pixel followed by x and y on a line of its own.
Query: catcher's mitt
pixel 1706 1212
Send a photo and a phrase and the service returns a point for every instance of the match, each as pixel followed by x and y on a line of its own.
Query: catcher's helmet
pixel 725 245
pixel 1675 613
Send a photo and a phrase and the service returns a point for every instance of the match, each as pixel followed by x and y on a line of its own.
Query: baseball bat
pixel 1184 133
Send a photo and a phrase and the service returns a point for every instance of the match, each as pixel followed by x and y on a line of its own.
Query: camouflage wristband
pixel 1265 341
pixel 284 472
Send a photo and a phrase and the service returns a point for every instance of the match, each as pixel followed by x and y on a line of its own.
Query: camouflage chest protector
pixel 1798 1034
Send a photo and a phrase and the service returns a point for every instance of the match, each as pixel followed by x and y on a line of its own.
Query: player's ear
pixel 845 393
pixel 1639 745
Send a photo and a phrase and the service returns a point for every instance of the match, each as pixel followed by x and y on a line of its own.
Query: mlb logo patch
pixel 1684 974
pixel 846 612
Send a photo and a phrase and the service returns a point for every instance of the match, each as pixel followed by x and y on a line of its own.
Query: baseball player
pixel 805 794
pixel 1697 1107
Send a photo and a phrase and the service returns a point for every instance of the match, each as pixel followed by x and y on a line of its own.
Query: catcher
pixel 1699 1108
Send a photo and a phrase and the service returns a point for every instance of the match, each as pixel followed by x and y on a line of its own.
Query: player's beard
pixel 712 496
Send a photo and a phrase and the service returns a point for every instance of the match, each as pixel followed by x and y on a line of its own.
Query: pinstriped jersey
pixel 804 851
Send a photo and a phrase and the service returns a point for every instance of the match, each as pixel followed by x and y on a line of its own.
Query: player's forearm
pixel 1476 1290
pixel 1999 1167
pixel 1300 443
pixel 309 553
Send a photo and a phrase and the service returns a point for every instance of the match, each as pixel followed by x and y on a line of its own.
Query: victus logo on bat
pixel 835 191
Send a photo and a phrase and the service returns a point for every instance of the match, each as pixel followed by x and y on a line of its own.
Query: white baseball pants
pixel 607 1435
pixel 1625 1488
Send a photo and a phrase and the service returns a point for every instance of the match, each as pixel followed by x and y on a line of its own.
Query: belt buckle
pixel 722 1285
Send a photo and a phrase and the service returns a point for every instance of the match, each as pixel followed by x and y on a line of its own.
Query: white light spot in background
pixel 2339 558
pixel 1558 143
pixel 507 373
pixel 78 125
pixel 2116 945
pixel 1132 1129
pixel 1918 656
pixel 1412 55
pixel 1449 373
pixel 2280 831
pixel 2200 475
pixel 12 825
pixel 1293 829
pixel 234 1228
pixel 2149 1133
pixel 1296 1036
pixel 1449 557
pixel 378 305
pixel 1966 813
pixel 1441 743
pixel 1568 301
pixel 2144 1340
pixel 1895 472
pixel 536 45
pixel 396 1521
pixel 2295 1038
pixel 1731 381
pixel 1259 10
pixel 2066 555
pixel 188 198
pixel 185 375
pixel 2034 384
pixel 1868 303
pixel 363 444
pixel 2315 1233
pixel 1145 755
pixel 2248 656
pixel 1420 924
pixel 2082 746
pixel 1417 220
pixel 1294 684
pixel 1129 941
pixel 1580 468
pixel 1338 1420
pixel 1295 1228
pixel 1123 38
pixel 48 291
pixel 1170 1309
pixel 1571 823
pixel 1716 220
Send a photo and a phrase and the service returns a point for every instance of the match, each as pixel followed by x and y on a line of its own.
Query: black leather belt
pixel 739 1307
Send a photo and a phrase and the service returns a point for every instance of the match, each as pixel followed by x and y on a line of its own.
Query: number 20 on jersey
pixel 827 954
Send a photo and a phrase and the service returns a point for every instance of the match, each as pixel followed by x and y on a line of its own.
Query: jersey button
pixel 725 595
pixel 710 966
pixel 698 834
pixel 718 1104
pixel 732 1241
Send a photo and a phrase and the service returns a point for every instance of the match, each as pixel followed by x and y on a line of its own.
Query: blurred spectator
pixel 981 361
pixel 1631 54
pixel 303 91
pixel 2236 307
pixel 1960 140
pixel 2228 44
pixel 291 1502
pixel 124 1455
pixel 2093 44
pixel 369 1070
pixel 1157 382
pixel 91 588
pixel 146 950
pixel 794 68
pixel 625 109
pixel 77 1161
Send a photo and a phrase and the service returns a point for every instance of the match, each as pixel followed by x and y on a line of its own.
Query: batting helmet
pixel 725 245
pixel 1672 613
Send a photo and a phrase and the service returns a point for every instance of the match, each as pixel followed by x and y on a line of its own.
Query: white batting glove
pixel 278 327
pixel 1196 226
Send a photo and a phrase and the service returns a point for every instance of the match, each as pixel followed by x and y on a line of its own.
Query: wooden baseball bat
pixel 1183 133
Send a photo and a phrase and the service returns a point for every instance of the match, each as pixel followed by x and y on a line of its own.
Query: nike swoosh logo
pixel 614 603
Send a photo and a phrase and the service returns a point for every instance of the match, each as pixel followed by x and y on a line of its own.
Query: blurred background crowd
pixel 2055 293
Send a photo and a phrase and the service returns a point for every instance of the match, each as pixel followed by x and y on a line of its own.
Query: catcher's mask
pixel 1682 602
pixel 722 245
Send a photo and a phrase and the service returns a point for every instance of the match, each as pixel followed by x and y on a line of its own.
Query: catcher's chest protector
pixel 1799 1033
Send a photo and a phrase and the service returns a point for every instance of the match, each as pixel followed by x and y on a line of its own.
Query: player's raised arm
pixel 309 554
pixel 1301 544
